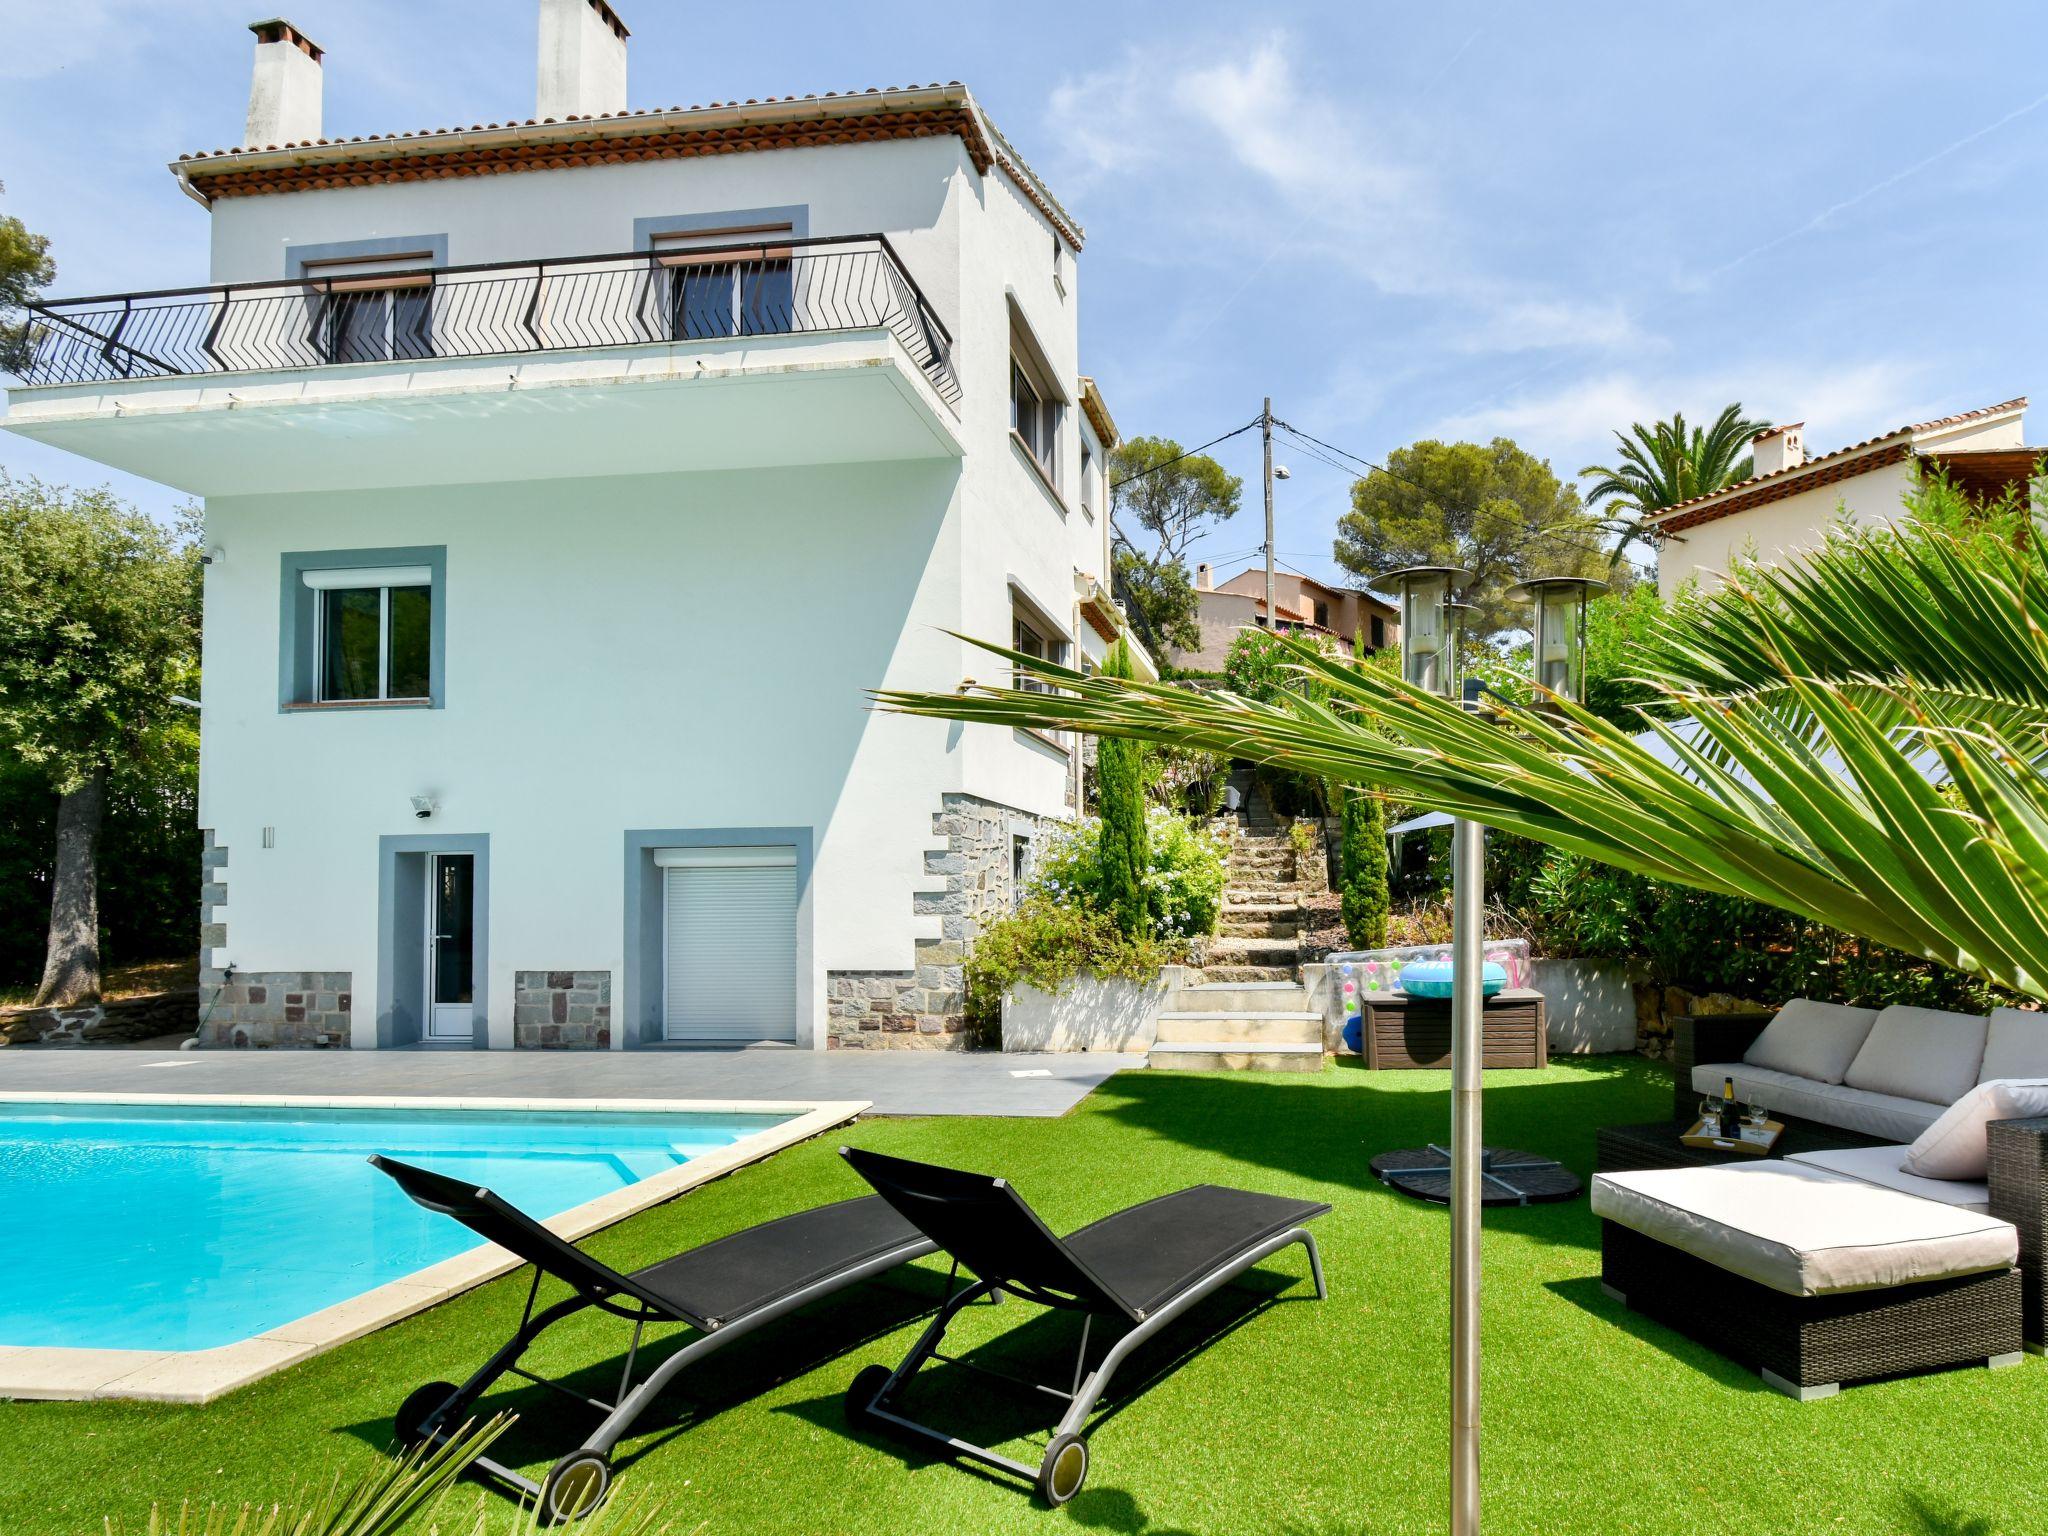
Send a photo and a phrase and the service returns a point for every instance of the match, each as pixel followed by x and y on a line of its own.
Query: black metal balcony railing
pixel 786 287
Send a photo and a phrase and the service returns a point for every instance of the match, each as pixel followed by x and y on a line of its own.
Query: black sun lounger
pixel 1139 1269
pixel 723 1289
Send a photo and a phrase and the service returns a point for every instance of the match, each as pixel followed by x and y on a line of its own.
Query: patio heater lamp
pixel 1557 626
pixel 1431 618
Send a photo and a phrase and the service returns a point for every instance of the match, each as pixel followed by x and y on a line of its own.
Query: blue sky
pixel 1400 221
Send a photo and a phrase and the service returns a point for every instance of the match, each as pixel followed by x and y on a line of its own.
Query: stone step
pixel 1252 973
pixel 1264 893
pixel 1295 1028
pixel 1254 951
pixel 1234 1056
pixel 1245 907
pixel 1282 927
pixel 1236 998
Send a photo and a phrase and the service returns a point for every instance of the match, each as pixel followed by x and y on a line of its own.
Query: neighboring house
pixel 1306 607
pixel 1791 501
pixel 506 434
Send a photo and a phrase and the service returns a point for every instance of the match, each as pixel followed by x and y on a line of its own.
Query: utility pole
pixel 1266 431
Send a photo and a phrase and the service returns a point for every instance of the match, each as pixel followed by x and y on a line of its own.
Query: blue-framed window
pixel 363 627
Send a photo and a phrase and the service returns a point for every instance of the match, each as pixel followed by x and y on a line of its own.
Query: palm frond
pixel 1835 821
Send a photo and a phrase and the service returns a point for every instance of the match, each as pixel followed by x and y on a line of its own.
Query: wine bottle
pixel 1731 1122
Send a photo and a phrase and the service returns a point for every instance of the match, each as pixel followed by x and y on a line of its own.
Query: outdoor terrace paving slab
pixel 895 1082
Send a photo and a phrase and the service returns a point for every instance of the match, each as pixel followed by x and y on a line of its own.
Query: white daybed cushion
pixel 1802 1230
pixel 1921 1053
pixel 1873 1114
pixel 1885 1166
pixel 1956 1146
pixel 1812 1039
pixel 2016 1046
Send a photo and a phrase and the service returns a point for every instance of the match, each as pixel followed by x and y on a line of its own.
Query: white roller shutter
pixel 729 943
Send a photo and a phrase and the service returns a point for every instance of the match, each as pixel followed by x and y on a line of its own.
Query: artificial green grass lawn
pixel 1284 1415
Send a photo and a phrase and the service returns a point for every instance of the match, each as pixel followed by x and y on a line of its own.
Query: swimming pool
pixel 189 1226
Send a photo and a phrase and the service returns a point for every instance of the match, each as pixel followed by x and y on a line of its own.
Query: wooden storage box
pixel 1403 1032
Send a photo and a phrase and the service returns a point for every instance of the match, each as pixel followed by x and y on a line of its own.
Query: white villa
pixel 568 481
pixel 1791 501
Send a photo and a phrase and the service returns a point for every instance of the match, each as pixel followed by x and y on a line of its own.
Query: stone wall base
pixel 925 1007
pixel 267 1009
pixel 562 1010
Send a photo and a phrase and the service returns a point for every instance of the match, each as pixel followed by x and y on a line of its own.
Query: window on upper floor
pixel 721 283
pixel 372 309
pixel 1323 615
pixel 362 627
pixel 1088 486
pixel 1379 632
pixel 1059 264
pixel 1034 418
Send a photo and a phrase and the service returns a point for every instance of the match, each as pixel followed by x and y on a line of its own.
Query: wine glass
pixel 1710 1110
pixel 1759 1117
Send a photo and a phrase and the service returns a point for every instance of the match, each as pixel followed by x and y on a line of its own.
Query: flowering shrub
pixel 1183 880
pixel 1046 943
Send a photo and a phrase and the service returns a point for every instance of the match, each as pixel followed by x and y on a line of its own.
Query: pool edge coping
pixel 50 1373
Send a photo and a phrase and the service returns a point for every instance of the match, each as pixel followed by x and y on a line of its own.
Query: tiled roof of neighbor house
pixel 1892 447
pixel 614 138
pixel 1372 599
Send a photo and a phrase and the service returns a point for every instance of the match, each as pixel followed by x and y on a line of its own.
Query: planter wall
pixel 1088 1014
pixel 1591 1004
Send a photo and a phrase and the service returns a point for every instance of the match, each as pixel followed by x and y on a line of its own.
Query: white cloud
pixel 1239 159
pixel 1576 421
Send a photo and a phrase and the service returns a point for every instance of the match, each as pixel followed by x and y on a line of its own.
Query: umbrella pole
pixel 1468 1007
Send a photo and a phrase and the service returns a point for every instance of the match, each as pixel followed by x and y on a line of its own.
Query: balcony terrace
pixel 490 371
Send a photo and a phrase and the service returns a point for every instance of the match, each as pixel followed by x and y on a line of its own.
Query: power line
pixel 1304 439
pixel 1117 485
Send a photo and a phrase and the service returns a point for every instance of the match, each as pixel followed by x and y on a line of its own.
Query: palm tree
pixel 1664 464
pixel 1864 745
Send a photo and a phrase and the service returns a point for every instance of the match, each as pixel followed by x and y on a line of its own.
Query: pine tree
pixel 1363 853
pixel 1120 777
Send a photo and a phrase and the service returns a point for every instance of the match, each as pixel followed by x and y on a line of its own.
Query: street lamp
pixel 1557 626
pixel 1431 618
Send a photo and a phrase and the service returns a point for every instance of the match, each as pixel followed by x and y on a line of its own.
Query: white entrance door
pixel 728 943
pixel 451 946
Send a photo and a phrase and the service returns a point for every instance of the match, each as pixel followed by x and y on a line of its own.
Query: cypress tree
pixel 1363 855
pixel 1120 779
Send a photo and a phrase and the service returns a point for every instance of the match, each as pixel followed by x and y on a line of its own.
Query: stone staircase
pixel 1249 1010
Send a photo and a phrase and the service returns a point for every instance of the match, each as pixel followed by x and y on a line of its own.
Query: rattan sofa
pixel 2018 1172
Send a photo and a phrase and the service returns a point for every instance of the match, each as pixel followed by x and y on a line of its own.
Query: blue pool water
pixel 189 1226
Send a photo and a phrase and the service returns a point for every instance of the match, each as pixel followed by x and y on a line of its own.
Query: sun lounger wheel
pixel 574 1487
pixel 860 1397
pixel 409 1423
pixel 1064 1469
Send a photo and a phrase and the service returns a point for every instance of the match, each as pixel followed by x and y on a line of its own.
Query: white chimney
pixel 1780 448
pixel 582 59
pixel 284 91
pixel 1205 578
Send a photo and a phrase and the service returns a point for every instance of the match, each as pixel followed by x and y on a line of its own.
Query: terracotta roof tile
pixel 655 133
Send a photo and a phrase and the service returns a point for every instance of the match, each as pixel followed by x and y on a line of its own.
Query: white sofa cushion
pixel 1802 1230
pixel 1885 1166
pixel 1957 1145
pixel 1812 1039
pixel 1921 1053
pixel 2015 1046
pixel 1852 1109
